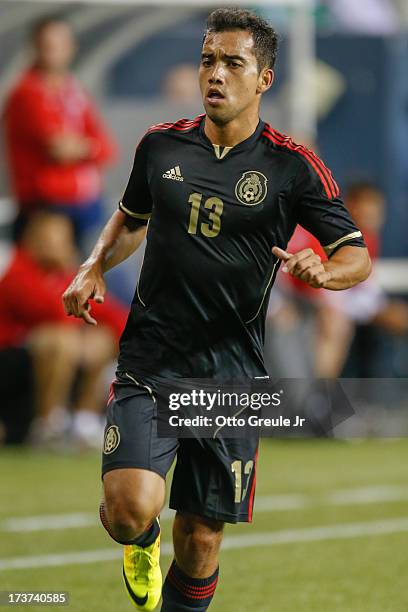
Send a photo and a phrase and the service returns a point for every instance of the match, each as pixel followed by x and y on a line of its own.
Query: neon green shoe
pixel 142 574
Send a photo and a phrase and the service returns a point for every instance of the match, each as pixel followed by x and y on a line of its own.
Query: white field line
pixel 44 522
pixel 269 538
pixel 48 522
pixel 368 495
pixel 266 503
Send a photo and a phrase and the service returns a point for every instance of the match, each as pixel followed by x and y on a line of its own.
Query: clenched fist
pixel 306 265
pixel 87 285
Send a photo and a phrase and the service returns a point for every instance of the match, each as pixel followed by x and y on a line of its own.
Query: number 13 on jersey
pixel 215 206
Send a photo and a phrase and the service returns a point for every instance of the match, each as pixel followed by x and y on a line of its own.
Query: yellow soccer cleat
pixel 142 574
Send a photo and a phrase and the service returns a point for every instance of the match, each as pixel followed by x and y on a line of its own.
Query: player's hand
pixel 87 285
pixel 306 265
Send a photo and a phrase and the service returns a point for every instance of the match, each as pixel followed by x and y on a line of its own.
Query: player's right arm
pixel 121 236
pixel 118 240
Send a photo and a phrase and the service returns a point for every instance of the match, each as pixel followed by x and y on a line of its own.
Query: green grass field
pixel 331 520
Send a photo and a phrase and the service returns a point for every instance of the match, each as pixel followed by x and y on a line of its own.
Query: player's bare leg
pixel 133 499
pixel 193 575
pixel 55 350
pixel 197 542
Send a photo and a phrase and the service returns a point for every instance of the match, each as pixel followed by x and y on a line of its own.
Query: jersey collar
pixel 224 152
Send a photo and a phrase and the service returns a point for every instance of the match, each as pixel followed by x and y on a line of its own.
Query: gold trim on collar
pixel 220 151
pixel 142 216
pixel 330 247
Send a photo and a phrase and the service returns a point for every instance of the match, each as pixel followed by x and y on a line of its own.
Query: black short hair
pixel 264 36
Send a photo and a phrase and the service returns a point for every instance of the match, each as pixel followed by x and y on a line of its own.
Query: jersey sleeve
pixel 137 200
pixel 320 210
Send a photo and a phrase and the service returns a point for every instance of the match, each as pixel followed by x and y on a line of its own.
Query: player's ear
pixel 265 80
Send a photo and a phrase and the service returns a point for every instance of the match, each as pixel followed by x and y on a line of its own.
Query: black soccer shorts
pixel 214 478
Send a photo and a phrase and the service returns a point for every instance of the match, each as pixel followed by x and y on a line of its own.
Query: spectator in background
pixel 32 316
pixel 337 315
pixel 56 142
pixel 16 392
pixel 369 304
pixel 302 328
pixel 369 309
pixel 180 85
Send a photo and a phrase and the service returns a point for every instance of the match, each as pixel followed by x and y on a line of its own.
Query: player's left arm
pixel 348 266
pixel 318 208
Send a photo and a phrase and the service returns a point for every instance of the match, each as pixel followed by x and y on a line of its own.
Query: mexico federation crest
pixel 112 439
pixel 251 188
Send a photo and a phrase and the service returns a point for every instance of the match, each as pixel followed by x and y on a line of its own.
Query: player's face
pixel 55 47
pixel 230 81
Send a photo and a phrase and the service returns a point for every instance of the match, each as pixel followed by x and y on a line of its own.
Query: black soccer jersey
pixel 214 215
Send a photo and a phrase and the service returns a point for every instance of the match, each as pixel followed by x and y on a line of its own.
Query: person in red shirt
pixel 337 314
pixel 56 143
pixel 32 315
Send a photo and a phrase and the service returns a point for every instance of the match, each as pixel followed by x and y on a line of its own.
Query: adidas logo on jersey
pixel 174 174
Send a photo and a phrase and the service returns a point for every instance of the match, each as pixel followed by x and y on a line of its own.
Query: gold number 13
pixel 215 205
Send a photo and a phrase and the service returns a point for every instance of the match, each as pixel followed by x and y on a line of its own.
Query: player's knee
pixel 128 518
pixel 204 535
pixel 133 498
pixel 126 522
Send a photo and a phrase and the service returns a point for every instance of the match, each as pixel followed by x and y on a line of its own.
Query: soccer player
pixel 220 196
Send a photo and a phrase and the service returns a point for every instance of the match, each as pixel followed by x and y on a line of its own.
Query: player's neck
pixel 232 133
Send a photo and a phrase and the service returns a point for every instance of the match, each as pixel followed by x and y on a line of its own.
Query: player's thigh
pixel 135 461
pixel 220 475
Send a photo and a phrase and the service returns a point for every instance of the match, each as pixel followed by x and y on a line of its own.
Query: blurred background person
pixel 56 143
pixel 68 358
pixel 370 311
pixel 16 391
pixel 180 85
pixel 325 334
